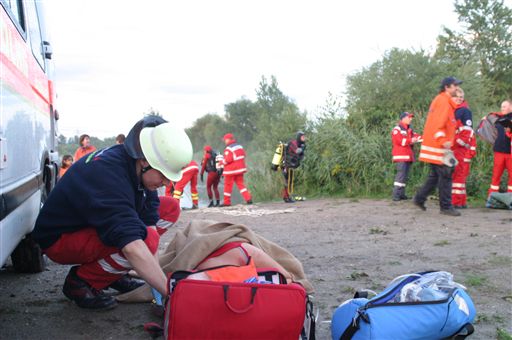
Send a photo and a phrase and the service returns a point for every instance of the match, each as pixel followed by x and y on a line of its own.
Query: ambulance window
pixel 16 11
pixel 35 32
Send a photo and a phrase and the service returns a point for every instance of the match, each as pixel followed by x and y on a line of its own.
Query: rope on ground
pixel 244 211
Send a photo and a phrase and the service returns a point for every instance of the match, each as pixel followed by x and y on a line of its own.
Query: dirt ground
pixel 344 244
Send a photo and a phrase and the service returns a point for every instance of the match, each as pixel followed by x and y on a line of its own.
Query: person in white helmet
pixel 104 213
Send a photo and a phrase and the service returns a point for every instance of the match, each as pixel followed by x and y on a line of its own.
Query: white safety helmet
pixel 167 149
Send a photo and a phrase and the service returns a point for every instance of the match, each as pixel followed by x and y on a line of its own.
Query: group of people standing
pixel 448 144
pixel 230 165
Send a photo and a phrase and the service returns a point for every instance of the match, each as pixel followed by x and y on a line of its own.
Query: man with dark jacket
pixel 501 148
pixel 103 214
pixel 293 155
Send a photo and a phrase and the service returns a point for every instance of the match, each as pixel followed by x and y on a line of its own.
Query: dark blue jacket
pixel 465 116
pixel 101 190
pixel 502 143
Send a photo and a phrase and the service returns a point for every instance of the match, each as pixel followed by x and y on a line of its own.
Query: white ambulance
pixel 28 148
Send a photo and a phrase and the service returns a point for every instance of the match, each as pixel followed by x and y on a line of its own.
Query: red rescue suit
pixel 401 137
pixel 234 169
pixel 464 148
pixel 189 174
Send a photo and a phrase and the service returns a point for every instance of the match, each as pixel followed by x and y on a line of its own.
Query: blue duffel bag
pixel 427 305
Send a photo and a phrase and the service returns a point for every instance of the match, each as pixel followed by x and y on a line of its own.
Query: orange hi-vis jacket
pixel 81 151
pixel 439 128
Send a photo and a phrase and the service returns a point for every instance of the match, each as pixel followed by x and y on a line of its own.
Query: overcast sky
pixel 115 60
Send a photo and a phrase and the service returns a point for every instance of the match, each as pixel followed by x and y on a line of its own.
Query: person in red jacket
pixel 463 149
pixel 403 138
pixel 189 174
pixel 213 178
pixel 502 151
pixel 84 148
pixel 234 169
pixel 438 138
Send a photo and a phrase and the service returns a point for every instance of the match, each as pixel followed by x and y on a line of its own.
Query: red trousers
pixel 189 176
pixel 502 161
pixel 460 174
pixel 228 187
pixel 212 185
pixel 101 265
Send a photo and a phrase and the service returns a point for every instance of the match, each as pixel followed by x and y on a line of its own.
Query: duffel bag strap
pixel 462 333
pixel 354 326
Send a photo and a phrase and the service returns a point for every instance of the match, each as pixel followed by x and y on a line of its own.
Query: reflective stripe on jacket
pixel 401 138
pixel 439 129
pixel 234 160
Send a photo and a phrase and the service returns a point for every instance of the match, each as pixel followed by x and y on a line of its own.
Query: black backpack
pixel 210 164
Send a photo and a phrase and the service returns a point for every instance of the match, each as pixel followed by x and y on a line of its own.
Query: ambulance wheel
pixel 27 257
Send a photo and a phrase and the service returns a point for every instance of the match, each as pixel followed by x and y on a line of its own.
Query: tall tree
pixel 485 38
pixel 278 116
pixel 207 130
pixel 402 81
pixel 241 119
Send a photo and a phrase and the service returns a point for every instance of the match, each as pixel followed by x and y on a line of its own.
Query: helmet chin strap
pixel 146 169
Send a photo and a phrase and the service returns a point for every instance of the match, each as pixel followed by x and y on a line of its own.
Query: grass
pixel 500 260
pixel 473 280
pixel 442 243
pixel 502 334
pixel 357 275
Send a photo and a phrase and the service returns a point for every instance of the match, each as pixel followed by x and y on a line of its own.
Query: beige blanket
pixel 200 238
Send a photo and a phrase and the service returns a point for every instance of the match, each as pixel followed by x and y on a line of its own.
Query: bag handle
pixel 463 332
pixel 236 310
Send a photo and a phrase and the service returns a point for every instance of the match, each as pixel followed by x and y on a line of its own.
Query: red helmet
pixel 228 136
pixel 207 148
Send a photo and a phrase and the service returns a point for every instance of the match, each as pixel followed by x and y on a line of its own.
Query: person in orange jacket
pixel 438 138
pixel 234 169
pixel 189 174
pixel 463 149
pixel 67 161
pixel 403 138
pixel 84 148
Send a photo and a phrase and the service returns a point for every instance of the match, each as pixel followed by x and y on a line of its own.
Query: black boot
pixel 211 204
pixel 218 203
pixel 126 284
pixel 85 296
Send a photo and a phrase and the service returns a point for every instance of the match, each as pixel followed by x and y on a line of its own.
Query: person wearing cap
pixel 85 147
pixel 189 175
pixel 403 139
pixel 234 169
pixel 103 215
pixel 213 177
pixel 438 138
pixel 502 150
pixel 293 155
pixel 463 149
